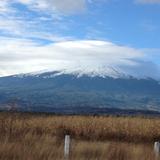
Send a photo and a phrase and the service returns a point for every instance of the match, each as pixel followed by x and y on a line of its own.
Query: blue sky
pixel 102 27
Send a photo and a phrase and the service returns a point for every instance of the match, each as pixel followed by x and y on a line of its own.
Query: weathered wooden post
pixel 66 147
pixel 157 150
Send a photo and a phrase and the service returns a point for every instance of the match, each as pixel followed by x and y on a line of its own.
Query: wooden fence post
pixel 157 150
pixel 66 147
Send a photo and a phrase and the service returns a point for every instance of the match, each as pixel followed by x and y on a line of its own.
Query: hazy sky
pixel 86 35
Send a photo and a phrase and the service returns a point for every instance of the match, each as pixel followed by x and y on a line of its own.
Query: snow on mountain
pixel 111 72
pixel 99 72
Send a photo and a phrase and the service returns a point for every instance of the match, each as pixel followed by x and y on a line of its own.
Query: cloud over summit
pixel 87 56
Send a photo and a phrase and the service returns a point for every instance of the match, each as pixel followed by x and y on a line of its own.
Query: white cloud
pixel 50 14
pixel 148 1
pixel 3 6
pixel 65 6
pixel 16 23
pixel 22 56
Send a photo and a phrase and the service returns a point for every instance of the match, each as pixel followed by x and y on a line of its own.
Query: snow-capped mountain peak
pixel 99 72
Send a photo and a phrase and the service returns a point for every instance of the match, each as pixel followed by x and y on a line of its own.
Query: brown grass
pixel 40 137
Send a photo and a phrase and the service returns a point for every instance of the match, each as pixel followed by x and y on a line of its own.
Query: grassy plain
pixel 40 137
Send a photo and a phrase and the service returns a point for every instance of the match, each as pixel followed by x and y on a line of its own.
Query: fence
pixel 157 150
pixel 67 143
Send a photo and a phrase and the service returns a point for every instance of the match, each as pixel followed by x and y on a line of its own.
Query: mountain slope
pixel 54 91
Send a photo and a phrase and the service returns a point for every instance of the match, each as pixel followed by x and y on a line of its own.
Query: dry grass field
pixel 41 137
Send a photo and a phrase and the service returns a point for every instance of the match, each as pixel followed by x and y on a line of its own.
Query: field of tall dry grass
pixel 41 137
